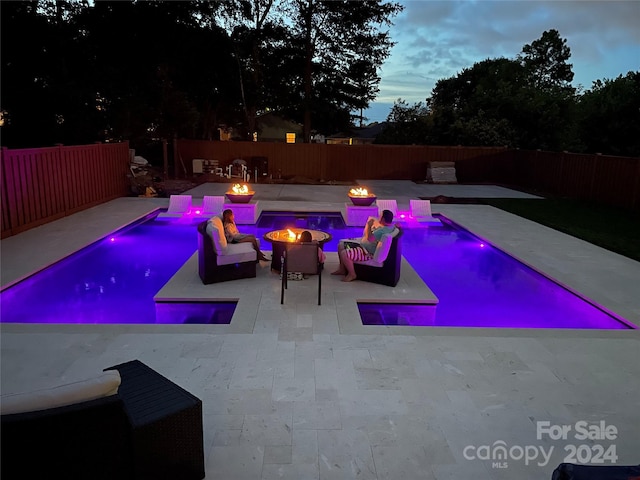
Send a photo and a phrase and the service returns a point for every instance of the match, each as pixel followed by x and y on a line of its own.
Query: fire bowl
pixel 360 201
pixel 240 197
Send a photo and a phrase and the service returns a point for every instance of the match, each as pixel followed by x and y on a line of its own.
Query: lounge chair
pixel 391 205
pixel 179 205
pixel 211 205
pixel 421 211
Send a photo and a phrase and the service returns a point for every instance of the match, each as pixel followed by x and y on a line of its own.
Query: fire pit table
pixel 279 238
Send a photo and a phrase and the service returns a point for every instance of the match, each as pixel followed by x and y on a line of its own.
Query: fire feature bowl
pixel 362 201
pixel 240 197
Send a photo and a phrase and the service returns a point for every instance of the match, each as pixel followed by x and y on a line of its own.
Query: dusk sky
pixel 438 39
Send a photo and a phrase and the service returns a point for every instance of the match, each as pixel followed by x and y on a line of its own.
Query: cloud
pixel 438 39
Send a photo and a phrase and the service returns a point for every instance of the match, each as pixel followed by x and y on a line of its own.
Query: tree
pixel 609 116
pixel 333 36
pixel 483 105
pixel 258 38
pixel 552 114
pixel 407 124
pixel 79 81
pixel 155 86
pixel 524 103
pixel 40 88
pixel 545 60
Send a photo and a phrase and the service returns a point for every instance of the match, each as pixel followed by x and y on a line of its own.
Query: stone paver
pixel 291 395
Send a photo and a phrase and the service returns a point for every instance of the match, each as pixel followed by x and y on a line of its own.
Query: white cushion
pixel 215 230
pixel 238 253
pixel 105 384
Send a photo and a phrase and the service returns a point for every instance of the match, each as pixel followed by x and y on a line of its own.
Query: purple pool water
pixel 115 280
pixel 480 286
pixel 112 281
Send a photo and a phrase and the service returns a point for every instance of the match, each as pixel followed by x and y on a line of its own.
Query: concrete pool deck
pixel 295 396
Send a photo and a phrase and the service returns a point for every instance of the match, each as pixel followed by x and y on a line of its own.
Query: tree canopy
pixel 143 70
pixel 527 102
pixel 135 70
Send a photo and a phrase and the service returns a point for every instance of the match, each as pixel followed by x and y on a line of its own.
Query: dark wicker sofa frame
pixel 152 429
pixel 389 273
pixel 208 268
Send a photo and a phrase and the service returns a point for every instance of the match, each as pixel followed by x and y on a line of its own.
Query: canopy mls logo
pixel 499 453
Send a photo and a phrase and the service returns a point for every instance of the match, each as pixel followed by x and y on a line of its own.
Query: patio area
pixel 301 391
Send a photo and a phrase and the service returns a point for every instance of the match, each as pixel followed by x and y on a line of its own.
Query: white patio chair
pixel 391 205
pixel 421 211
pixel 211 205
pixel 420 208
pixel 178 206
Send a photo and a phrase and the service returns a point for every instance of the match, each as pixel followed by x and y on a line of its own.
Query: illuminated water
pixel 115 280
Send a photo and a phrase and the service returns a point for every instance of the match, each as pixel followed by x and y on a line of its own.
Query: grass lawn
pixel 612 228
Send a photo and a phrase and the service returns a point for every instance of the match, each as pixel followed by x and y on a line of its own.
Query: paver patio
pixel 302 393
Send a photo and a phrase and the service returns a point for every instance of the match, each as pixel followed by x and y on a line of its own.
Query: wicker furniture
pixel 151 429
pixel 383 269
pixel 570 471
pixel 166 424
pixel 302 258
pixel 219 261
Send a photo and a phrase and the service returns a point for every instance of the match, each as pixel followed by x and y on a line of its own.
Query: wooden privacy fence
pixel 43 184
pixel 40 185
pixel 329 162
pixel 599 178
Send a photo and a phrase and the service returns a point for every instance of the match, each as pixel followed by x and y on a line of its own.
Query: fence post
pixel 165 160
pixel 596 159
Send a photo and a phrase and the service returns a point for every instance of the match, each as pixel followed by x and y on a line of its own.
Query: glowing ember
pixel 238 189
pixel 358 192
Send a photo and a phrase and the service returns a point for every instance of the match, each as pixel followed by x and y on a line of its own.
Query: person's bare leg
pixel 256 247
pixel 348 265
pixel 341 270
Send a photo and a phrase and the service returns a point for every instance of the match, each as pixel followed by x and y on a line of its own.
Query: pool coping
pixel 263 292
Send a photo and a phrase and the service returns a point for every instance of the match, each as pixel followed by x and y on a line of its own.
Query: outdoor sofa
pixel 150 429
pixel 384 267
pixel 219 261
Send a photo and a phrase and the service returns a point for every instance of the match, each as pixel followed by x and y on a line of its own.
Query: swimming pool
pixel 115 280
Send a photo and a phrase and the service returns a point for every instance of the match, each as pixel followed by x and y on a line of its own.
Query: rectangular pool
pixel 115 280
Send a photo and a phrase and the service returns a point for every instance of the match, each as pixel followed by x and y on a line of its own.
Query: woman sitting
pixel 234 236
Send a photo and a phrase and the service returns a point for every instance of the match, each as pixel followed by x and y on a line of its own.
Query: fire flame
pixel 359 192
pixel 292 236
pixel 240 189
